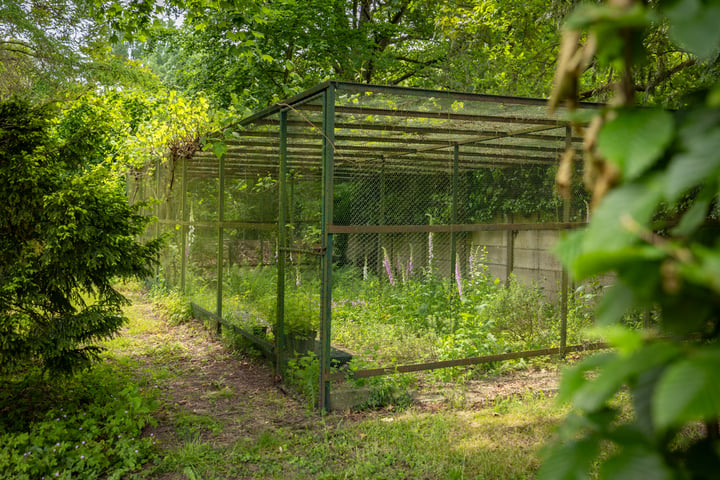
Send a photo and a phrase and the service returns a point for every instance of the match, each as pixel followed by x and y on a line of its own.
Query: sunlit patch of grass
pixel 498 442
pixel 166 352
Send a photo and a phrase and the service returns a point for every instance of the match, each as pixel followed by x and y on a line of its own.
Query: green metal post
pixel 453 234
pixel 327 244
pixel 221 241
pixel 564 280
pixel 282 243
pixel 157 209
pixel 184 217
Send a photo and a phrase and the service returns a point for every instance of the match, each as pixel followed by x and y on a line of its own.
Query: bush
pixel 66 232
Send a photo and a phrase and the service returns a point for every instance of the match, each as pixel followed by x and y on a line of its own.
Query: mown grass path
pixel 221 416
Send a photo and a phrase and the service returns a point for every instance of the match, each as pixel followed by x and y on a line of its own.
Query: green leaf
pixel 570 461
pixel 621 370
pixel 219 148
pixel 685 314
pixel 636 139
pixel 642 394
pixel 700 137
pixel 611 230
pixel 569 247
pixel 611 225
pixel 694 25
pixel 614 304
pixel 633 463
pixel 705 271
pixel 573 378
pixel 597 262
pixel 607 15
pixel 689 390
pixel 693 217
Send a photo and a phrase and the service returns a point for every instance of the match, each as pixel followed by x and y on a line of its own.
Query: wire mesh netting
pixel 395 212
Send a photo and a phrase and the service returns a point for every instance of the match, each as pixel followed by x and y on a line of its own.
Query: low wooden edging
pixel 417 367
pixel 267 348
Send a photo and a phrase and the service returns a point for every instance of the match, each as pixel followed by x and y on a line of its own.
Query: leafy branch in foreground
pixel 655 178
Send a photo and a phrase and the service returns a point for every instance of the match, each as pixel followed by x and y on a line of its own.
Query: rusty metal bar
pixel 464 117
pixel 263 345
pixel 419 130
pixel 419 367
pixel 226 224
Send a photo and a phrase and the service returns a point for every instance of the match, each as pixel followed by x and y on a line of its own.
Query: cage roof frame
pixel 404 127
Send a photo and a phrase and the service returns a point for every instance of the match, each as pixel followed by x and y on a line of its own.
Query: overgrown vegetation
pixel 88 425
pixel 66 229
pixel 420 317
pixel 127 423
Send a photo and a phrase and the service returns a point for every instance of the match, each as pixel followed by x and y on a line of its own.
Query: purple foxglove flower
pixel 458 278
pixel 388 267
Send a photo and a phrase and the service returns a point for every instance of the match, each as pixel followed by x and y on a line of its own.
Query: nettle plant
pixel 655 179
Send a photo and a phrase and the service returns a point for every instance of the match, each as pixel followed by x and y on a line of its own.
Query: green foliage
pixel 44 54
pixel 66 231
pixel 303 373
pixel 665 166
pixel 89 425
pixel 253 54
pixel 522 314
pixel 171 304
pixel 521 191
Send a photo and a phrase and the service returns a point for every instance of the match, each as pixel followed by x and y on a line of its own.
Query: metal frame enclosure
pixel 388 145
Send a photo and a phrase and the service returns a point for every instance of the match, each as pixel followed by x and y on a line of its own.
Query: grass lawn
pixel 196 409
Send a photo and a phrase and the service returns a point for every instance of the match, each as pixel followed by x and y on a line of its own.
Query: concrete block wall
pixel 532 256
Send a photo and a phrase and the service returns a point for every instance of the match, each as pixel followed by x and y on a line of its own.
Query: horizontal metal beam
pixel 456 228
pixel 261 226
pixel 434 130
pixel 462 362
pixel 447 116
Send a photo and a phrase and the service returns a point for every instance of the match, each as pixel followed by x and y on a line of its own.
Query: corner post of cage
pixel 327 245
pixel 221 240
pixel 281 245
pixel 454 213
pixel 184 218
pixel 564 279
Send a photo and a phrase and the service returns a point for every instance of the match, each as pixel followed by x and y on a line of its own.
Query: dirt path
pixel 208 393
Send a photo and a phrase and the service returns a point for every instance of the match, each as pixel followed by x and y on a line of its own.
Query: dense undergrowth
pixel 400 316
pixel 87 425
pixel 403 317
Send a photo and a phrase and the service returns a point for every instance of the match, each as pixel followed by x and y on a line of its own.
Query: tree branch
pixel 660 77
